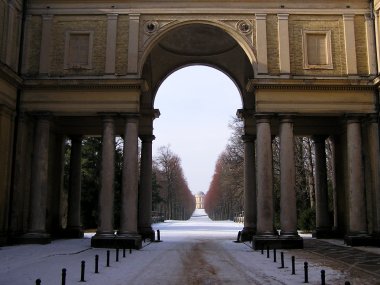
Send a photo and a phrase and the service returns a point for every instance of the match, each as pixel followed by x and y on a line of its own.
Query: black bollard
pixel 274 255
pixel 282 260
pixel 323 277
pixel 293 265
pixel 108 258
pixel 82 269
pixel 238 237
pixel 38 282
pixel 96 263
pixel 63 276
pixel 306 269
pixel 117 255
pixel 262 249
pixel 123 252
pixel 267 251
pixel 158 235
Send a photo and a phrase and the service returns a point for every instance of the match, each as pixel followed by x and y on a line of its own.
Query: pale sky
pixel 196 103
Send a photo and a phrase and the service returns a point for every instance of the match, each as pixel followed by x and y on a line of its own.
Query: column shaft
pixel 374 157
pixel 250 215
pixel 264 177
pixel 39 187
pixel 74 212
pixel 288 203
pixel 321 191
pixel 106 194
pixel 356 201
pixel 129 194
pixel 145 193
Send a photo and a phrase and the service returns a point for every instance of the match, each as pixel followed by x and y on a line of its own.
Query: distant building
pixel 199 200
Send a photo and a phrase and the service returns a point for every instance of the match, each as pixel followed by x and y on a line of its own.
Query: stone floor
pixel 353 258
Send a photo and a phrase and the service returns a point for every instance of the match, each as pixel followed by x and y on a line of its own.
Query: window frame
pixel 306 65
pixel 70 65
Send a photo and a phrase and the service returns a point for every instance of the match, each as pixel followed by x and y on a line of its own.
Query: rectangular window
pixel 78 50
pixel 317 50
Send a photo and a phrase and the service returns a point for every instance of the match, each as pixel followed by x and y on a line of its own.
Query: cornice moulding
pixel 84 84
pixel 320 84
pixel 103 10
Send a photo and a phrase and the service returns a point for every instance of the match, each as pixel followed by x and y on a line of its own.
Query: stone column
pixel 249 188
pixel 374 162
pixel 333 182
pixel 356 197
pixel 39 185
pixel 264 177
pixel 105 232
pixel 288 203
pixel 74 228
pixel 129 193
pixel 145 192
pixel 323 224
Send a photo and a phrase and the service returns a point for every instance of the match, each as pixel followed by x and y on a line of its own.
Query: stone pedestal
pixel 278 242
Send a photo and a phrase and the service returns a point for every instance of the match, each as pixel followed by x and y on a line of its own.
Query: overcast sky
pixel 196 103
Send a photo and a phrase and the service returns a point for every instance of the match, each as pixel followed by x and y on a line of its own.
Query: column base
pixel 247 234
pixel 129 240
pixel 72 233
pixel 103 240
pixel 147 233
pixel 325 233
pixel 358 239
pixel 278 242
pixel 33 238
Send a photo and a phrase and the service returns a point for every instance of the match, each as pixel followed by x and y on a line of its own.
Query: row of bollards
pixel 293 266
pixel 83 263
pixel 83 267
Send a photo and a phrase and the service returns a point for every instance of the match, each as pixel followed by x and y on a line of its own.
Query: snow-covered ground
pixel 197 251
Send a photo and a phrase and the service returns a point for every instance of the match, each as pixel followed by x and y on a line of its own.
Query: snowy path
pixel 194 252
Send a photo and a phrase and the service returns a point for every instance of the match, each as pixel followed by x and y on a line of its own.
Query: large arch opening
pixel 197 104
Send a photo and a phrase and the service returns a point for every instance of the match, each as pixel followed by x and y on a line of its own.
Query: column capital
pixel 286 118
pixel 107 115
pixel 248 138
pixel 353 118
pixel 130 116
pixel 373 118
pixel 147 138
pixel 263 117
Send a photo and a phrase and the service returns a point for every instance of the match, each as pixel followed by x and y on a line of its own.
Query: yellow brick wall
pixel 34 45
pixel 122 45
pixel 361 45
pixel 318 23
pixel 62 24
pixel 272 45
